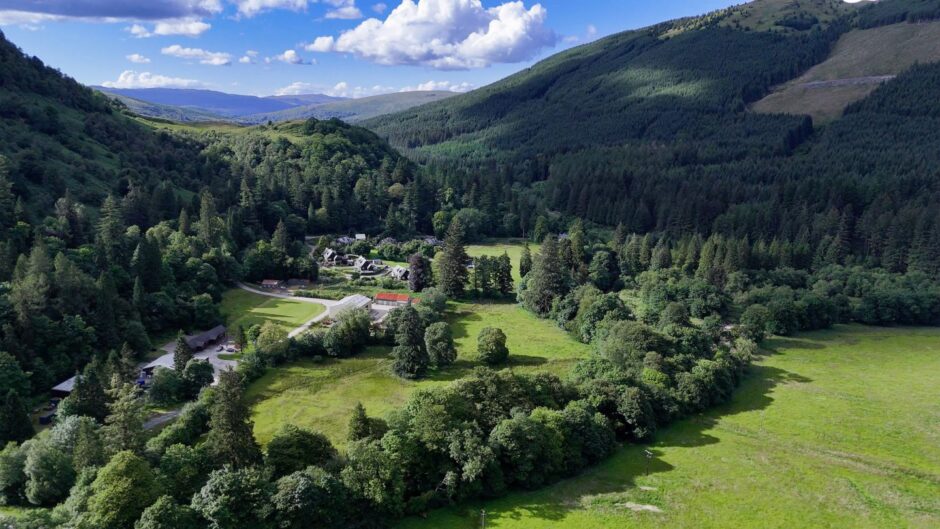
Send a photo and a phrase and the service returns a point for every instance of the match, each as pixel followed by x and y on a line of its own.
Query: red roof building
pixel 391 298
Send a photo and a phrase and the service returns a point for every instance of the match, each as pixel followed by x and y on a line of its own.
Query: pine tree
pixel 525 261
pixel 111 230
pixel 88 396
pixel 503 277
pixel 7 198
pixel 15 424
pixel 206 227
pixel 183 224
pixel 124 425
pixel 411 356
pixel 182 353
pixel 230 438
pixel 452 262
pixel 419 272
pixel 359 426
pixel 280 240
pixel 548 280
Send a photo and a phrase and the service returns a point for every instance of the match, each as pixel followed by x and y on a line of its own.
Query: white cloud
pixel 450 34
pixel 380 8
pixel 204 57
pixel 591 30
pixel 25 19
pixel 187 27
pixel 110 10
pixel 132 79
pixel 433 86
pixel 250 8
pixel 289 57
pixel 249 57
pixel 345 13
pixel 320 44
pixel 137 58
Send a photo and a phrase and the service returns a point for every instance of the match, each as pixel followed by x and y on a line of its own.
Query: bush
pixel 491 346
pixel 440 344
pixel 293 449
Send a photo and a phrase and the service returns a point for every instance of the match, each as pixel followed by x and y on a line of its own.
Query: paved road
pixel 273 294
pixel 163 418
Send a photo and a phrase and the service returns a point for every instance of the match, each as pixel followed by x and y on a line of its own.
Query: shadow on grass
pixel 619 473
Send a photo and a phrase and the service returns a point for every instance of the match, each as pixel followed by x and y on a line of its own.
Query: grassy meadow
pixel 240 307
pixel 321 396
pixel 512 247
pixel 832 429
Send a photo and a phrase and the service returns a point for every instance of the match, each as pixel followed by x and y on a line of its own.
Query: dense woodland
pixel 650 128
pixel 677 231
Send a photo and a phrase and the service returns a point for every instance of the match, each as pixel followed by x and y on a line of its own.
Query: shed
pixel 200 341
pixel 360 236
pixel 272 283
pixel 391 299
pixel 63 389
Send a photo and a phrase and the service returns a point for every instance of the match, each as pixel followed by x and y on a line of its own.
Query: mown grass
pixel 242 308
pixel 321 396
pixel 512 247
pixel 832 429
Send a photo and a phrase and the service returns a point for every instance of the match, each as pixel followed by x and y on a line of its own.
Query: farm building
pixel 400 273
pixel 390 299
pixel 356 301
pixel 360 236
pixel 200 341
pixel 272 283
pixel 345 240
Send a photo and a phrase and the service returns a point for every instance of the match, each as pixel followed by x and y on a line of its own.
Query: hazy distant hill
pixel 170 112
pixel 354 110
pixel 207 101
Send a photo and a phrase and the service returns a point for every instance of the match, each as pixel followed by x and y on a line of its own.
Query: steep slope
pixel 861 60
pixel 60 136
pixel 353 110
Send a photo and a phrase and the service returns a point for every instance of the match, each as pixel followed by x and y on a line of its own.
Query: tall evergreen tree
pixel 182 353
pixel 7 198
pixel 525 261
pixel 452 262
pixel 110 234
pixel 124 425
pixel 503 275
pixel 411 355
pixel 15 424
pixel 548 280
pixel 231 439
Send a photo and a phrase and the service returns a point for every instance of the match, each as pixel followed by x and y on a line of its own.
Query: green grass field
pixel 512 247
pixel 243 308
pixel 833 429
pixel 887 50
pixel 322 396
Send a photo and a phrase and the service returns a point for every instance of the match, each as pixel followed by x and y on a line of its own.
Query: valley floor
pixel 832 429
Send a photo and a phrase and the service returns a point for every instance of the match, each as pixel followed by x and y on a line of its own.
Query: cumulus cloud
pixel 204 57
pixel 137 58
pixel 343 9
pixel 450 34
pixel 380 8
pixel 433 86
pixel 320 44
pixel 289 57
pixel 132 79
pixel 249 57
pixel 187 27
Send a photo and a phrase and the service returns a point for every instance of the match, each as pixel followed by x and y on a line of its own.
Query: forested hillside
pixel 113 232
pixel 648 128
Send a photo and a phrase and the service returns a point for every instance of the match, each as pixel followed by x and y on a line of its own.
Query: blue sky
pixel 350 48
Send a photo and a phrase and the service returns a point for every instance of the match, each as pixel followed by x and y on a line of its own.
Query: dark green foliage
pixel 310 498
pixel 231 440
pixel 123 489
pixel 15 422
pixel 491 346
pixel 293 449
pixel 12 475
pixel 895 11
pixel 419 277
pixel 439 342
pixel 234 499
pixel 165 513
pixel 548 280
pixel 452 262
pixel 197 375
pixel 182 353
pixel 349 334
pixel 530 452
pixel 12 377
pixel 361 426
pixel 525 261
pixel 183 471
pixel 49 473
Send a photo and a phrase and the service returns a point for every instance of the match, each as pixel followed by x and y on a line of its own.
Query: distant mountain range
pixel 188 105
